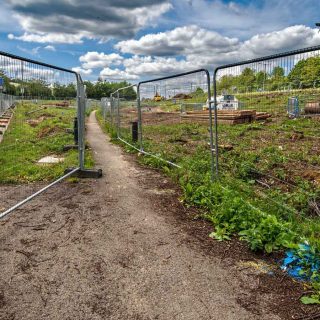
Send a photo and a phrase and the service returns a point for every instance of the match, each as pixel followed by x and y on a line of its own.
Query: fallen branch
pixel 263 184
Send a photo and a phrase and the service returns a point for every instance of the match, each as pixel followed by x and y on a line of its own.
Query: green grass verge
pixel 31 137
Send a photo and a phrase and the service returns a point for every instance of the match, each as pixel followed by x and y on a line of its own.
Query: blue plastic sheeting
pixel 302 263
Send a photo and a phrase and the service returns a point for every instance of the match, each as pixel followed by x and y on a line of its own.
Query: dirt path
pixel 111 249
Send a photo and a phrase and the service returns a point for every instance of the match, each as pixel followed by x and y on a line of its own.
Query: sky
pixel 143 39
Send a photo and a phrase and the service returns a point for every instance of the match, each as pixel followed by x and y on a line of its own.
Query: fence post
pixel 1 111
pixel 104 110
pixel 216 122
pixel 111 110
pixel 139 118
pixel 118 115
pixel 81 119
pixel 212 149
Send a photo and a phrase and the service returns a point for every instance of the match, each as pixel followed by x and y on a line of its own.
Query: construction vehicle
pixel 157 97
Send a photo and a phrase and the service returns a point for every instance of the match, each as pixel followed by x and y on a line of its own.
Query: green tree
pixel 64 91
pixel 261 80
pixel 226 83
pixel 246 81
pixel 278 78
pixel 306 73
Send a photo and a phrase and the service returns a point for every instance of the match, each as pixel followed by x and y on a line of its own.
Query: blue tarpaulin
pixel 302 263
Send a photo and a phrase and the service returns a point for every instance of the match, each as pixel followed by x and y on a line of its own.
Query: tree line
pixel 305 74
pixel 41 88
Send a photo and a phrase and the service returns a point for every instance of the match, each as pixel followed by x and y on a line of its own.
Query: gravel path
pixel 108 249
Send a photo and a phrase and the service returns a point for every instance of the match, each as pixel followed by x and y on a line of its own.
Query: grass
pixel 31 137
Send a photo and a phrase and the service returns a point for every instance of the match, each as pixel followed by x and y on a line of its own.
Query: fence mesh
pixel 170 131
pixel 105 105
pixel 268 128
pixel 7 101
pixel 38 111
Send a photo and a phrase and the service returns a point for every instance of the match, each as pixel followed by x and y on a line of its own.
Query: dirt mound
pixel 47 131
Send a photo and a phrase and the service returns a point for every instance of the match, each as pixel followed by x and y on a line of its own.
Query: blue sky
pixel 140 39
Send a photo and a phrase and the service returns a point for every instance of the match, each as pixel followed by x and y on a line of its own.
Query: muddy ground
pixel 125 247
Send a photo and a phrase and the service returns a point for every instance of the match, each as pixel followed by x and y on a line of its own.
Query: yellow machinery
pixel 157 97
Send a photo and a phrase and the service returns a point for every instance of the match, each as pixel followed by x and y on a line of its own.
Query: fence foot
pixel 86 173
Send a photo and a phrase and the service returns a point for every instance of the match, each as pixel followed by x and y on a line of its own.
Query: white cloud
pixel 191 47
pixel 155 66
pixel 116 74
pixel 47 37
pixel 181 40
pixel 68 21
pixel 199 49
pixel 50 48
pixel 82 71
pixel 33 51
pixel 193 40
pixel 246 19
pixel 290 38
pixel 93 60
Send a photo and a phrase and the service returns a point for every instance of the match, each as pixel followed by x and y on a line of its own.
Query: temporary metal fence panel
pixel 92 104
pixel 113 104
pixel 36 129
pixel 268 128
pixel 7 101
pixel 105 106
pixel 166 133
pixel 189 107
pixel 108 109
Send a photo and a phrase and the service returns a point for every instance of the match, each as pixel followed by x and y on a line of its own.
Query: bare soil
pixel 125 247
pixel 153 117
